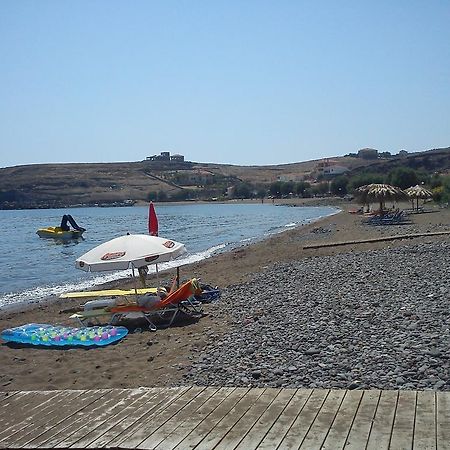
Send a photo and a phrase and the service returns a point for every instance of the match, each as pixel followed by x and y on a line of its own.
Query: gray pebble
pixel 376 319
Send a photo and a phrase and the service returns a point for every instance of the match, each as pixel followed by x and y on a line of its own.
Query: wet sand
pixel 161 358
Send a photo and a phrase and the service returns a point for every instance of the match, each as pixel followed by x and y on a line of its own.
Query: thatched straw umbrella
pixel 416 192
pixel 380 193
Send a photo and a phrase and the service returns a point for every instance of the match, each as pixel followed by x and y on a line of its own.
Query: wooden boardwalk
pixel 225 418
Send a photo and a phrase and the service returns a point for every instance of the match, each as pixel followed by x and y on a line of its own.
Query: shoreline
pixel 125 280
pixel 169 356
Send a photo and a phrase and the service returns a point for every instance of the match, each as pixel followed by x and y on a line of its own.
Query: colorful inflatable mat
pixel 61 336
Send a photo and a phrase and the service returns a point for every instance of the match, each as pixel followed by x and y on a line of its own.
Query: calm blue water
pixel 32 268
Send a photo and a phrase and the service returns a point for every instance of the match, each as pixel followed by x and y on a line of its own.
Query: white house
pixel 335 170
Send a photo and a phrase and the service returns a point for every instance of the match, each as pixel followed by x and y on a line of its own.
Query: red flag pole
pixel 153 229
pixel 152 221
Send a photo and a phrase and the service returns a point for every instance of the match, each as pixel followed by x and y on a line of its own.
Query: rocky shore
pixel 375 319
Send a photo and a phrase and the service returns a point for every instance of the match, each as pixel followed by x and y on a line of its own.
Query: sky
pixel 248 82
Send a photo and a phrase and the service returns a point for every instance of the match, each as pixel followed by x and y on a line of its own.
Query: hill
pixel 65 185
pixel 431 161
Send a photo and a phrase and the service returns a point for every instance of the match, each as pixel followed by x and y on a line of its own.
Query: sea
pixel 33 268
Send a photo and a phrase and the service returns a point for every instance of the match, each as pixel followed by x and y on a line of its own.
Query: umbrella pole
pixel 134 280
pixel 178 277
pixel 157 279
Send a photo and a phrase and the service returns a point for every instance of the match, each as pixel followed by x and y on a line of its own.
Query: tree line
pixel 402 177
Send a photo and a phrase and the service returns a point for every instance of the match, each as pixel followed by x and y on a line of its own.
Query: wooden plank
pixel 212 419
pixel 7 440
pixel 23 405
pixel 91 416
pixel 360 430
pixel 379 239
pixel 162 431
pixel 194 419
pixel 442 420
pixel 226 418
pixel 13 405
pixel 383 422
pixel 95 425
pixel 403 430
pixel 343 421
pixel 299 429
pixel 8 400
pixel 45 435
pixel 285 420
pixel 140 431
pixel 27 429
pixel 322 423
pixel 425 426
pixel 243 426
pixel 258 432
pixel 135 399
pixel 159 401
pixel 20 418
pixel 7 395
pixel 219 431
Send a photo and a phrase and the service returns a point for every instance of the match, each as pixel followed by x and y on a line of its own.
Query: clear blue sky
pixel 238 82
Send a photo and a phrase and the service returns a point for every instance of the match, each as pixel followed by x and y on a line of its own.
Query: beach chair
pixel 394 218
pixel 150 307
pixel 208 293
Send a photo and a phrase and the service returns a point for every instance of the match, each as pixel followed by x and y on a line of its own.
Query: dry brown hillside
pixel 62 185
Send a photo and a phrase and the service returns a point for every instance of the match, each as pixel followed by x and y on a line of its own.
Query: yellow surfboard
pixel 109 293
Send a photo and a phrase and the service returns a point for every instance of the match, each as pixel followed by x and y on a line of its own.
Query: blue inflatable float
pixel 61 336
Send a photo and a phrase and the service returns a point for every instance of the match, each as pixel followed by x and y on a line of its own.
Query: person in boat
pixel 67 218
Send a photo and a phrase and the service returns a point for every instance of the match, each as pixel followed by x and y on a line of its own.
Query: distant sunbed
pixel 394 218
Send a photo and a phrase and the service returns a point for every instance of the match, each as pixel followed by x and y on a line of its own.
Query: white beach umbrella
pixel 416 192
pixel 130 252
pixel 380 193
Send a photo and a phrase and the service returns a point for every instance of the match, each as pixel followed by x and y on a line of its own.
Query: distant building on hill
pixel 196 177
pixel 165 156
pixel 368 153
pixel 335 170
pixel 177 157
pixel 330 168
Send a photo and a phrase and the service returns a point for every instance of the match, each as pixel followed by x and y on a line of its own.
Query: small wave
pixel 38 294
pixel 204 254
pixel 189 259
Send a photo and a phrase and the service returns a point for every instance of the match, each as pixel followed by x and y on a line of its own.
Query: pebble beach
pixel 374 319
pixel 370 313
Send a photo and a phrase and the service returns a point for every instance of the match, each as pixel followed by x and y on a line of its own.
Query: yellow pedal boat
pixel 59 233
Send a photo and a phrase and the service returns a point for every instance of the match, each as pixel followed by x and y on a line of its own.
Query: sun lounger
pixel 92 317
pixel 109 293
pixel 150 307
pixel 395 218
